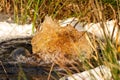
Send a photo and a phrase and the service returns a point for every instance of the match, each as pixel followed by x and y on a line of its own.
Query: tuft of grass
pixel 21 74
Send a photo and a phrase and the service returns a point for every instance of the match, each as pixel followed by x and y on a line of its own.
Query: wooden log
pixel 7 46
pixel 12 70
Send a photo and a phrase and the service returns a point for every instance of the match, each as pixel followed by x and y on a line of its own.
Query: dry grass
pixel 54 43
pixel 86 10
pixel 36 10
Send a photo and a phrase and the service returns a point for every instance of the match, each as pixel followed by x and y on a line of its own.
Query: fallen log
pixel 12 70
pixel 7 46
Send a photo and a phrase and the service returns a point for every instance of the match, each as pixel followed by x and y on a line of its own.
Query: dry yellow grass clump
pixel 53 43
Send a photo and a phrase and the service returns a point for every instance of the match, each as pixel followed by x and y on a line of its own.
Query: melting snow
pixel 99 73
pixel 12 30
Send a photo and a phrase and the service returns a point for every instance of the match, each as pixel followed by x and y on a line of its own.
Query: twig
pixel 50 71
pixel 4 70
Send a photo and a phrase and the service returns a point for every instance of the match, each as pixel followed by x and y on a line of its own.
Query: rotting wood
pixel 13 69
pixel 6 47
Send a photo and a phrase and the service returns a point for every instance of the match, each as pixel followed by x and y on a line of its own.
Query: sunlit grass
pixel 87 11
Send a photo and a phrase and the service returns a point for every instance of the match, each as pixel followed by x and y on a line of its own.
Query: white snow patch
pixel 97 29
pixel 13 30
pixel 99 73
pixel 74 22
